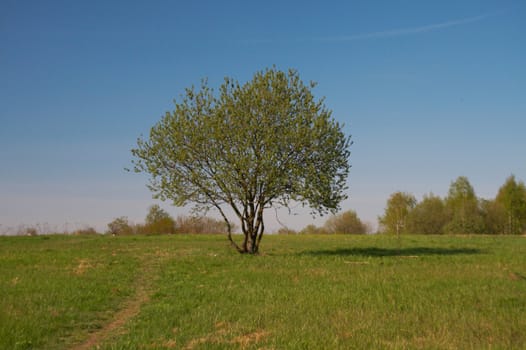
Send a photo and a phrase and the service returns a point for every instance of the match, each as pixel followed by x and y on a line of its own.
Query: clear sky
pixel 429 91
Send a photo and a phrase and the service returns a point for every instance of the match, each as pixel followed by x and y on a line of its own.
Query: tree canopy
pixel 265 143
pixel 398 208
pixel 346 222
pixel 512 199
pixel 159 221
pixel 428 216
pixel 463 208
pixel 461 212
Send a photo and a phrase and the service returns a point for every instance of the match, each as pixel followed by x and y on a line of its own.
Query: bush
pixel 29 231
pixel 346 222
pixel 313 230
pixel 286 231
pixel 158 221
pixel 202 224
pixel 85 231
pixel 120 226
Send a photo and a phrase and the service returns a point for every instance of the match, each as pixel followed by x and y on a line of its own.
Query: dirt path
pixel 130 309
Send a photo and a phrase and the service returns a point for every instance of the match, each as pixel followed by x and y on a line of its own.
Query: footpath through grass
pixel 303 292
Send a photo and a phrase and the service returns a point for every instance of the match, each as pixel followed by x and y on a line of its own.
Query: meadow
pixel 301 292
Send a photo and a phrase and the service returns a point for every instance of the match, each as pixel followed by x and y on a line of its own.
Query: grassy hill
pixel 318 292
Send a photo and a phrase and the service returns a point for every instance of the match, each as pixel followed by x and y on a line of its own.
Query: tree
pixel 494 216
pixel 312 229
pixel 254 146
pixel 286 231
pixel 463 208
pixel 201 224
pixel 399 205
pixel 512 198
pixel 120 226
pixel 428 216
pixel 158 221
pixel 346 222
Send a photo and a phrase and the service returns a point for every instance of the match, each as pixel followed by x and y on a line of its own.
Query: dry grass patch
pixel 82 267
pixel 247 339
pixel 225 333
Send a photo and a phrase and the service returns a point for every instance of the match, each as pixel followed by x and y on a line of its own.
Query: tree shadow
pixel 386 252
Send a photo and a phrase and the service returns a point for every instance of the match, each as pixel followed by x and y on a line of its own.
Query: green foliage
pixel 156 214
pixel 158 221
pixel 120 226
pixel 200 224
pixel 463 208
pixel 253 146
pixel 461 212
pixel 494 215
pixel 313 230
pixel 286 231
pixel 512 198
pixel 399 205
pixel 428 216
pixel 346 222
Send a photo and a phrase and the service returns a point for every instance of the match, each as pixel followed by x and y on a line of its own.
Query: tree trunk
pixel 252 226
pixel 252 239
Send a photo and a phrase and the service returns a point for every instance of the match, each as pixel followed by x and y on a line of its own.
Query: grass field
pixel 302 292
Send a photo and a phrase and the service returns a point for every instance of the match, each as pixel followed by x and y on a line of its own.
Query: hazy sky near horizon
pixel 429 91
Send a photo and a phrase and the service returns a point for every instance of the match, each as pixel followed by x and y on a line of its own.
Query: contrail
pixel 404 31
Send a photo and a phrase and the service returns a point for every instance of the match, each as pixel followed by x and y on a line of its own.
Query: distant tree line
pixel 346 222
pixel 460 212
pixel 158 221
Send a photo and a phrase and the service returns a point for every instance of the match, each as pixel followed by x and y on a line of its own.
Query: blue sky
pixel 429 91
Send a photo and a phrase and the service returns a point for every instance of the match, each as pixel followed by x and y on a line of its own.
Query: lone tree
pixel 262 144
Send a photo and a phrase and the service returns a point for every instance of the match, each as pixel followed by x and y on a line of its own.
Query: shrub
pixel 201 224
pixel 158 221
pixel 346 222
pixel 286 231
pixel 313 230
pixel 85 231
pixel 120 226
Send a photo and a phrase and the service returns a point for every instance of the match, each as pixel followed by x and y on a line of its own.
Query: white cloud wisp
pixel 403 31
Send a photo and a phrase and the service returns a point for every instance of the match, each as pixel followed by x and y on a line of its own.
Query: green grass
pixel 303 292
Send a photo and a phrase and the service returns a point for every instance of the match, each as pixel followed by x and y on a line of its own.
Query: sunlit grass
pixel 56 289
pixel 301 292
